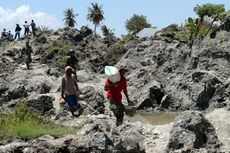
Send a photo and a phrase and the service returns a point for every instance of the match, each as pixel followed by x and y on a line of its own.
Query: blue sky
pixel 50 12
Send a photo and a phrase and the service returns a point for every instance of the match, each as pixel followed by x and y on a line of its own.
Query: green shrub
pixel 43 30
pixel 116 48
pixel 128 37
pixel 25 122
pixel 56 52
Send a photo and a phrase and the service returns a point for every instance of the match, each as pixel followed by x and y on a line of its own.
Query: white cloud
pixel 9 18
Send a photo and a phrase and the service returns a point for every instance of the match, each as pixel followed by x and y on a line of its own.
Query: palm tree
pixel 69 17
pixel 95 15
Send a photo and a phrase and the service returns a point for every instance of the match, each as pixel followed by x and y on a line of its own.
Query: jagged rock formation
pixel 191 77
pixel 192 132
pixel 163 75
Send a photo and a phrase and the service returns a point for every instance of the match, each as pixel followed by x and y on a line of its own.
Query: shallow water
pixel 154 118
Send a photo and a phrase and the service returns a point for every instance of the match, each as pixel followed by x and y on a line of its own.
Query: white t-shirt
pixel 26 25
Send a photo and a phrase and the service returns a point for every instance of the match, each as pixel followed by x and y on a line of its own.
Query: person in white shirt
pixel 27 28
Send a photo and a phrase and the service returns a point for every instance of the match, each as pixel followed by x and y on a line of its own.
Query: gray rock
pixel 94 98
pixel 151 95
pixel 192 132
pixel 53 72
pixel 13 147
pixel 97 137
pixel 17 92
pixel 169 102
pixel 41 103
pixel 44 88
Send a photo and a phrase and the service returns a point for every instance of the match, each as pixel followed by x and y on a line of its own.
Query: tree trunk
pixel 95 27
pixel 199 26
pixel 209 28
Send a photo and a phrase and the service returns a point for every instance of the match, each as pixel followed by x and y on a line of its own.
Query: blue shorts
pixel 71 100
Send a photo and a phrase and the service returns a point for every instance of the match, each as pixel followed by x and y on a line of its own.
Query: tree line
pixel 207 15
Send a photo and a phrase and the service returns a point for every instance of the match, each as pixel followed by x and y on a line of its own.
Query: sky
pixel 49 13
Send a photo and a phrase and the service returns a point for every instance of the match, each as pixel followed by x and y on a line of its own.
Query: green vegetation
pixel 171 30
pixel 43 30
pixel 128 37
pixel 106 31
pixel 136 23
pixel 70 17
pixel 223 15
pixel 24 122
pixel 95 15
pixel 116 48
pixel 56 52
pixel 209 10
pixel 187 31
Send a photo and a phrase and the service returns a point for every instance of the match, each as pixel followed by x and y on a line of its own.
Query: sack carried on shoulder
pixel 112 73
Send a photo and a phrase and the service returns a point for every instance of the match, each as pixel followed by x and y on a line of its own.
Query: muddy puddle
pixel 154 118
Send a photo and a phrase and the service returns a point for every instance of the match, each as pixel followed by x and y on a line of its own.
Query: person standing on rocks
pixel 27 28
pixel 27 51
pixel 72 61
pixel 114 95
pixel 33 27
pixel 69 87
pixel 17 31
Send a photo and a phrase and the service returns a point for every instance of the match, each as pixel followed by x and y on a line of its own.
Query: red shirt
pixel 115 91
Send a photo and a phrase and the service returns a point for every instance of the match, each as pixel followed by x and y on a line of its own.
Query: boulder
pixel 94 98
pixel 150 95
pixel 41 103
pixel 17 92
pixel 169 102
pixel 99 135
pixel 44 88
pixel 53 72
pixel 192 132
pixel 13 147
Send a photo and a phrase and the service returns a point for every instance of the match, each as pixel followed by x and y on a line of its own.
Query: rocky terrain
pixel 163 76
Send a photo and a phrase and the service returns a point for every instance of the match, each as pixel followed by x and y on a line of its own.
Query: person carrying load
pixel 114 85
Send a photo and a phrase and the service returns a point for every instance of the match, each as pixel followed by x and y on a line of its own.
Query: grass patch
pixel 25 123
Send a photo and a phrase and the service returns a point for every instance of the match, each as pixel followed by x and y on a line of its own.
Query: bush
pixel 56 53
pixel 116 48
pixel 136 23
pixel 128 37
pixel 24 122
pixel 44 31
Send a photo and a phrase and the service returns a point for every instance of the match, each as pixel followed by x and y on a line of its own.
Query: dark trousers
pixel 27 30
pixel 17 34
pixel 34 31
pixel 118 111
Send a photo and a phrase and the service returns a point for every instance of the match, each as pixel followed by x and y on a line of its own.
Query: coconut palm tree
pixel 70 17
pixel 95 15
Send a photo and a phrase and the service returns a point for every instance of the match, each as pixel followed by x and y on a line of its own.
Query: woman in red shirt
pixel 114 95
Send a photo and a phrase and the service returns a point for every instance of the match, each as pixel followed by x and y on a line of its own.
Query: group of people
pixel 6 34
pixel 70 88
pixel 18 29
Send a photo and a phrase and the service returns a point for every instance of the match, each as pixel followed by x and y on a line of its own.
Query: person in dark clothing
pixel 114 95
pixel 72 61
pixel 10 36
pixel 26 52
pixel 4 33
pixel 17 31
pixel 27 28
pixel 33 26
